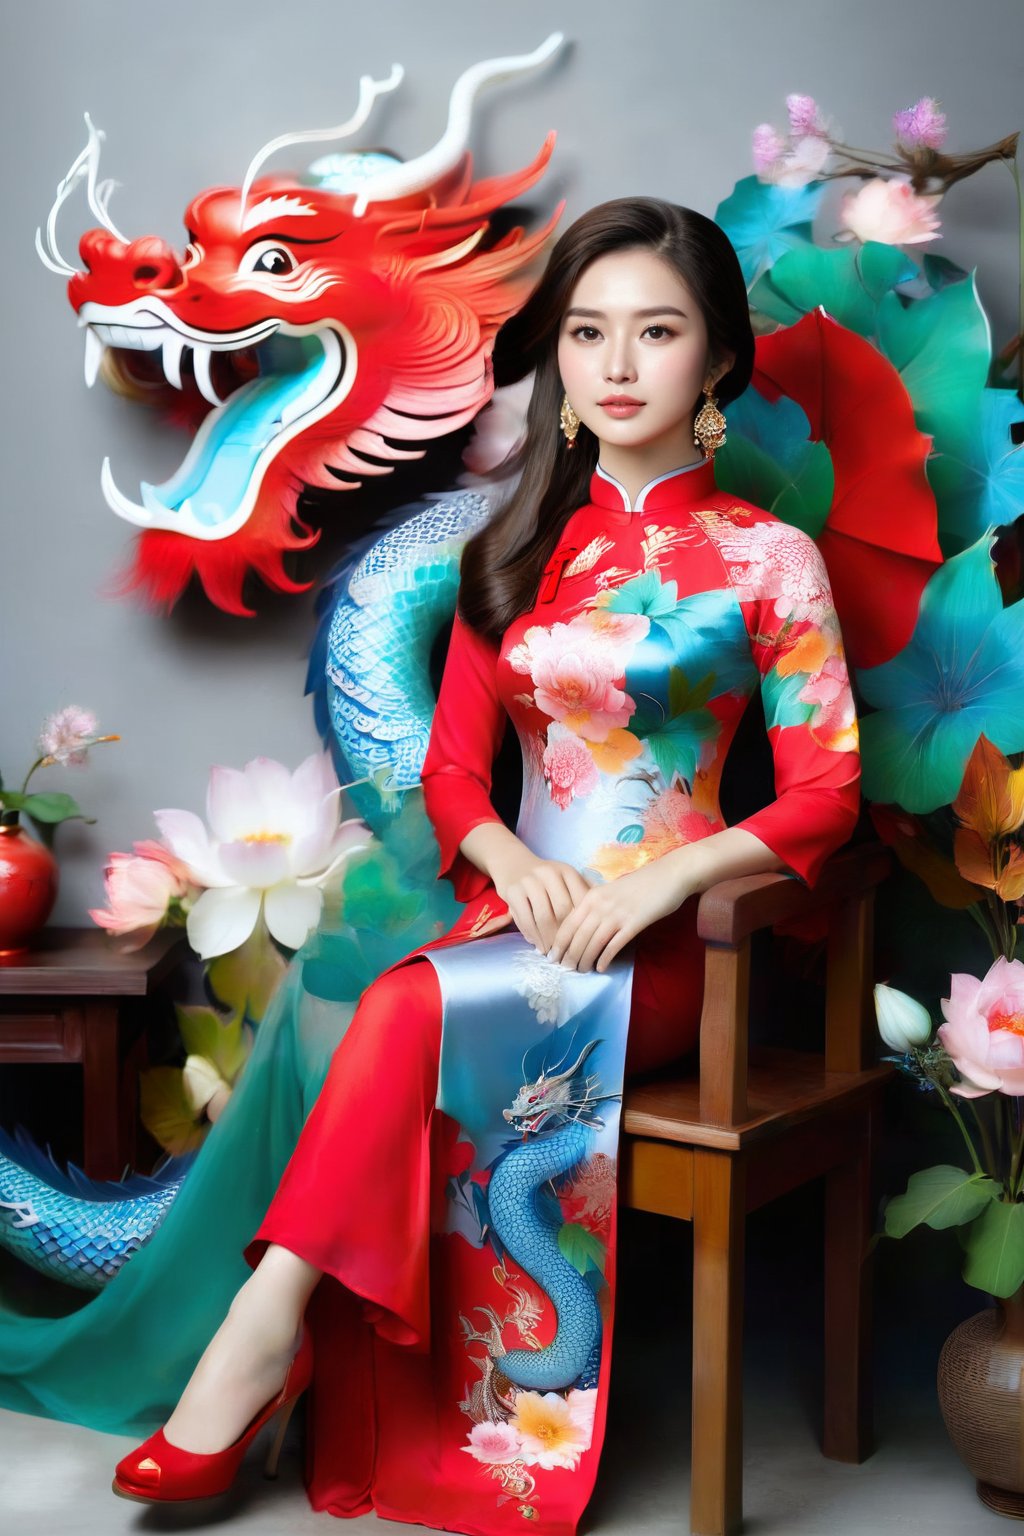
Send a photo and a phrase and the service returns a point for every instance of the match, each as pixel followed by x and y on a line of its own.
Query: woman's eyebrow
pixel 638 314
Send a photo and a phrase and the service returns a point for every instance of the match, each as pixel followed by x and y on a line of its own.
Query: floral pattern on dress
pixel 773 563
pixel 577 669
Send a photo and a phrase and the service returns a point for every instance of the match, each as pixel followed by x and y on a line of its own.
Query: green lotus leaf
pixel 769 459
pixel 939 1197
pixel 942 347
pixel 847 282
pixel 995 1249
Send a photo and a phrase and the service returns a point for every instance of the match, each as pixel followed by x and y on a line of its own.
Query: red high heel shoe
pixel 157 1471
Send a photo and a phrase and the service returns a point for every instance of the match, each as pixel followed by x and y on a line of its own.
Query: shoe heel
pixel 274 1453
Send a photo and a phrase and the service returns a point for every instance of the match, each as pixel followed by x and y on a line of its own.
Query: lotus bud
pixel 903 1023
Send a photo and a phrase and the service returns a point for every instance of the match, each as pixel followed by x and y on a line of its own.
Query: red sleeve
pixel 465 734
pixel 809 713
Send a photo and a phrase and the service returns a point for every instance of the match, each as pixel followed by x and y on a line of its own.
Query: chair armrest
pixel 729 913
pixel 733 909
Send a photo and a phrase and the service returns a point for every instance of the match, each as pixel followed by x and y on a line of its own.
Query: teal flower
pixel 960 675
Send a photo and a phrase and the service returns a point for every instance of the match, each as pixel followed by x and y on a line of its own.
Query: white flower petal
pixel 232 804
pixel 270 783
pixel 259 865
pixel 311 849
pixel 188 840
pixel 221 920
pixel 291 911
pixel 312 781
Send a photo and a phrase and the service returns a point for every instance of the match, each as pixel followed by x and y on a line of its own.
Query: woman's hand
pixel 610 915
pixel 540 893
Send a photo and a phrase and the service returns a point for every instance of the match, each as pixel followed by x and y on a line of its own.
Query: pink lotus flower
pixel 141 888
pixel 274 841
pixel 493 1444
pixel 890 211
pixel 984 1030
pixel 66 735
pixel 569 766
pixel 922 125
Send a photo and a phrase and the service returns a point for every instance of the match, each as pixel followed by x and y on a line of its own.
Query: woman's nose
pixel 619 366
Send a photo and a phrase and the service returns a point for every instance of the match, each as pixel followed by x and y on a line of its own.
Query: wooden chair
pixel 709 1148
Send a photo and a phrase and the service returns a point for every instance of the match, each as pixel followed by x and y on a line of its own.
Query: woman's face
pixel 633 353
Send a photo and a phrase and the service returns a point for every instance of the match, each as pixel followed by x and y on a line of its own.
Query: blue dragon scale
pixel 528 1227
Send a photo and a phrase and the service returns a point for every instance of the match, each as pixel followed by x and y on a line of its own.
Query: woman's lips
pixel 621 405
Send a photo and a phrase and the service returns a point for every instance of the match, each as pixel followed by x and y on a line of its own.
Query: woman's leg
pixel 353 1201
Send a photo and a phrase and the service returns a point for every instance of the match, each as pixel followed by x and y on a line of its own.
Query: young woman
pixel 621 611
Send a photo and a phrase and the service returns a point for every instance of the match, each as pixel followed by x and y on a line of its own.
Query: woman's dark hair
pixel 502 564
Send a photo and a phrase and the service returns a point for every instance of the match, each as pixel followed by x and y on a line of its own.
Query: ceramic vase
pixel 29 875
pixel 981 1393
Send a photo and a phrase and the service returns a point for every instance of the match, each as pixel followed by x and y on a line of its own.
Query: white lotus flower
pixel 274 840
pixel 902 1021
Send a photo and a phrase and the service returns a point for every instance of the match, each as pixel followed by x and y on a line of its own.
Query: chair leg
pixel 719 1218
pixel 848 1430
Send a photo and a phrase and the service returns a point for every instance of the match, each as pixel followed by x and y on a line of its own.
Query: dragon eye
pixel 275 260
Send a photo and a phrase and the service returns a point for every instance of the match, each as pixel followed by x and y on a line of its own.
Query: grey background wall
pixel 659 96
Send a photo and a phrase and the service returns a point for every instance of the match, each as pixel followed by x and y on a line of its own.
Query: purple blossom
pixel 921 125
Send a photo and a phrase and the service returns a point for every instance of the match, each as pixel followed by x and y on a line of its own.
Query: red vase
pixel 29 875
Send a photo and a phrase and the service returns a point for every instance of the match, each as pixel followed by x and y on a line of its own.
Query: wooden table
pixel 75 998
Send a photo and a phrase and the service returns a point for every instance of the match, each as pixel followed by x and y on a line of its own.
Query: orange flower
pixel 612 755
pixel 808 654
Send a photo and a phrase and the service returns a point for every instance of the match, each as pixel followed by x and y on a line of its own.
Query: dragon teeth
pixel 94 350
pixel 201 363
pixel 173 347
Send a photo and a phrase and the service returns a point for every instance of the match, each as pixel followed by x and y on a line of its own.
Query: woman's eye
pixel 586 332
pixel 662 330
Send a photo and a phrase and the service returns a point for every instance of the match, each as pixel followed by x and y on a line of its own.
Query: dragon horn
pixel 565 1077
pixel 87 164
pixel 425 170
pixel 369 90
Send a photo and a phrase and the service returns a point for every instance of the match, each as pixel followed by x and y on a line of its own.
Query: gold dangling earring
pixel 709 426
pixel 569 421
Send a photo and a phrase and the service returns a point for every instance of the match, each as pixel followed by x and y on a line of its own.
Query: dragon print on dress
pixel 316 332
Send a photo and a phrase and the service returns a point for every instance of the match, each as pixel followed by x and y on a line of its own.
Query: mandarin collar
pixel 679 487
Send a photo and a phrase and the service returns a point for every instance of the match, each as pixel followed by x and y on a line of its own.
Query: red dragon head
pixel 318 329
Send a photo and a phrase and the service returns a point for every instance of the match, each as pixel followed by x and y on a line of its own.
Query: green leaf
pixel 939 1197
pixel 582 1249
pixel 848 283
pixel 246 978
pixel 634 833
pixel 52 806
pixel 995 1249
pixel 224 1041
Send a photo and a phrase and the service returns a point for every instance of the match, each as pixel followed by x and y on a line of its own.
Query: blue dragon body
pixel 69 1226
pixel 527 1224
pixel 530 1236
